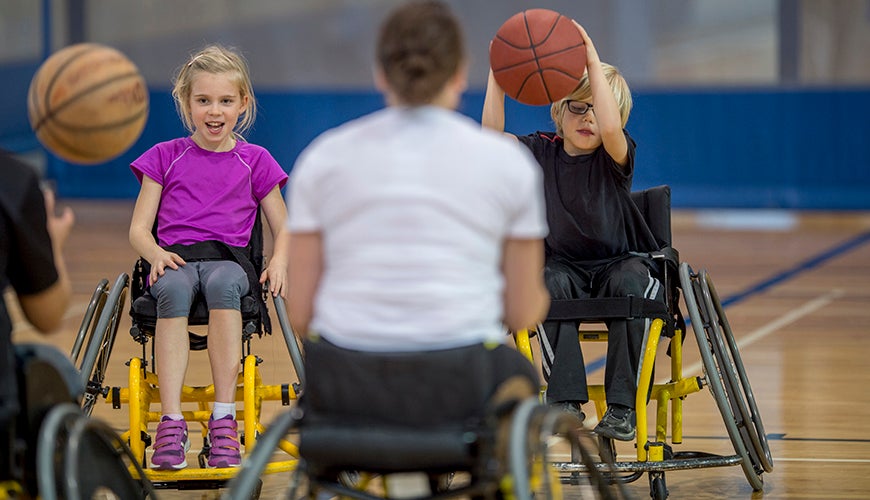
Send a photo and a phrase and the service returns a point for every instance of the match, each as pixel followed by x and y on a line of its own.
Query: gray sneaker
pixel 617 423
pixel 571 407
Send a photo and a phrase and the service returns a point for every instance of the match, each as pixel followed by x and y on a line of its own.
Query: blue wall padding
pixel 732 148
pixel 15 133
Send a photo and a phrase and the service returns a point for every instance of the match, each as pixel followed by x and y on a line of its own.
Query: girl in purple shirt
pixel 205 188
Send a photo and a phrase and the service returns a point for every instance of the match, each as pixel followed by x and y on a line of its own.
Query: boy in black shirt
pixel 595 230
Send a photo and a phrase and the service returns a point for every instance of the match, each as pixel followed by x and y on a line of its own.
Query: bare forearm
pixel 533 310
pixel 606 108
pixel 526 300
pixel 493 106
pixel 305 266
pixel 45 310
pixel 143 243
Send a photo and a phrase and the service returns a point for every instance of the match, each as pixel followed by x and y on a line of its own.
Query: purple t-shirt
pixel 208 195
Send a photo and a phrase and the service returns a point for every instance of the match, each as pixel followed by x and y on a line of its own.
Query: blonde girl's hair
pixel 583 92
pixel 215 59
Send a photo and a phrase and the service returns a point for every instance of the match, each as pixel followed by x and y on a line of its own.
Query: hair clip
pixel 193 60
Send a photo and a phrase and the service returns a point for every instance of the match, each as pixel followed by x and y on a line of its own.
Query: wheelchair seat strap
pixel 606 308
pixel 217 250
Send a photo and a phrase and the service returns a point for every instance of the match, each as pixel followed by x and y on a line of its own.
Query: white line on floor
pixel 566 457
pixel 776 324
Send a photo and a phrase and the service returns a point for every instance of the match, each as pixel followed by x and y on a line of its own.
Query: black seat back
pixel 393 412
pixel 655 205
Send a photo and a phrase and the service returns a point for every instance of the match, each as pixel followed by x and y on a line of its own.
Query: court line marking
pixel 806 265
pixel 775 325
pixel 631 458
pixel 827 460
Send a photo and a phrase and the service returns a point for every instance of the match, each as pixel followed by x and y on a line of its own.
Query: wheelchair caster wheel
pixel 658 489
pixel 606 450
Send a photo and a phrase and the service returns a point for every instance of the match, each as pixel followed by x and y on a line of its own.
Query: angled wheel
pixel 95 362
pixel 740 387
pixel 97 463
pixel 246 483
pixel 86 330
pixel 534 429
pixel 52 441
pixel 290 339
pixel 721 375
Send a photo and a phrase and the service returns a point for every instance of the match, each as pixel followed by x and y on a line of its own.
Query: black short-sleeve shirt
pixel 589 208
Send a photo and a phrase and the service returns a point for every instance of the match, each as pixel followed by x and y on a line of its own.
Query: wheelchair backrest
pixel 655 205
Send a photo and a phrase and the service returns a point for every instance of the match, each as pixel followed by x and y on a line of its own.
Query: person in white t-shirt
pixel 415 230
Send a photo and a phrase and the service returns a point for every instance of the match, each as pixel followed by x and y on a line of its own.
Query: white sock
pixel 174 416
pixel 221 410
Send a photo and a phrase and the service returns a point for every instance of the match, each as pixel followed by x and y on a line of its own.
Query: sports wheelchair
pixel 98 331
pixel 419 425
pixel 723 369
pixel 51 447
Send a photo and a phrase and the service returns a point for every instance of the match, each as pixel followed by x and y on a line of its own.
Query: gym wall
pixel 734 107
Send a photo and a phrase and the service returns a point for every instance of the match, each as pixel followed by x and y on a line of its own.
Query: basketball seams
pixel 549 33
pixel 68 145
pixel 511 44
pixel 537 73
pixel 103 126
pixel 88 103
pixel 51 113
pixel 558 53
pixel 46 108
pixel 537 60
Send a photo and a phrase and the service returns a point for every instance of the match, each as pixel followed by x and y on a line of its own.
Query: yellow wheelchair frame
pixel 723 368
pixel 101 323
pixel 723 373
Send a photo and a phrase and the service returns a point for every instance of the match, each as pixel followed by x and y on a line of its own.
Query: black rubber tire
pixel 99 349
pixel 719 371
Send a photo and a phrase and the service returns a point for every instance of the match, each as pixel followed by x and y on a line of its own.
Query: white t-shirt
pixel 413 205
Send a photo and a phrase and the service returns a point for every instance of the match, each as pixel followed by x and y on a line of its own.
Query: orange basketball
pixel 538 56
pixel 87 103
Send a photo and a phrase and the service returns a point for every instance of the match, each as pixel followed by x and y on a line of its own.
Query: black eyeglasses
pixel 579 107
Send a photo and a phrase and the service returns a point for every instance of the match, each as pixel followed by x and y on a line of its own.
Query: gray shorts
pixel 221 282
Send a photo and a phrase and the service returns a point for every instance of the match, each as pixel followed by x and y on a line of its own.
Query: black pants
pixel 563 364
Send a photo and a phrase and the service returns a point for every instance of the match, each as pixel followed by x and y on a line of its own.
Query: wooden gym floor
pixel 797 294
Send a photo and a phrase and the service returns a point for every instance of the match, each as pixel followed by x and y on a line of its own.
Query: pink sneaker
pixel 171 445
pixel 224 442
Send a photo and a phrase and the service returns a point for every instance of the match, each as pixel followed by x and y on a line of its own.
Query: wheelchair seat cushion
pixel 144 309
